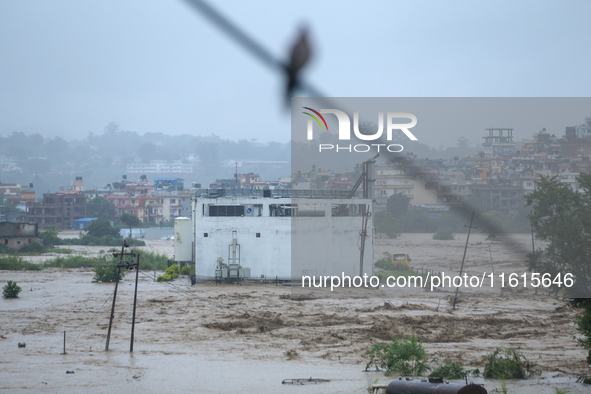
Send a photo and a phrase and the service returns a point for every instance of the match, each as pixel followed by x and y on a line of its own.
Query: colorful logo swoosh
pixel 315 118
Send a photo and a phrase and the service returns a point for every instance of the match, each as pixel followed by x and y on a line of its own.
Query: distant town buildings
pixel 583 131
pixel 161 167
pixel 497 178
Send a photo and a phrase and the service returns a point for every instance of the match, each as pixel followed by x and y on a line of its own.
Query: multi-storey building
pixel 57 209
pixel 138 205
pixel 168 207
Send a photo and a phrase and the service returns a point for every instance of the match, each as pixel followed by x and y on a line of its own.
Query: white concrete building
pixel 160 167
pixel 584 130
pixel 321 236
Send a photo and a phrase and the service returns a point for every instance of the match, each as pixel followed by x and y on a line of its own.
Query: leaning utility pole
pixel 464 258
pixel 127 265
pixel 114 296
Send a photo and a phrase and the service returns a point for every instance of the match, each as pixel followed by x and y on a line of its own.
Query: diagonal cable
pixel 248 43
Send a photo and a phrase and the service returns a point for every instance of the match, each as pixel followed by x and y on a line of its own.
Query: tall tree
pixel 102 227
pixel 130 221
pixel 562 216
pixel 100 207
pixel 397 204
pixel 386 224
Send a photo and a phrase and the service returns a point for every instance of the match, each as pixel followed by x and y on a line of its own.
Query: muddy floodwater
pixel 249 338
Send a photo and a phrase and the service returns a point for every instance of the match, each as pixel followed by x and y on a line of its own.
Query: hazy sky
pixel 70 67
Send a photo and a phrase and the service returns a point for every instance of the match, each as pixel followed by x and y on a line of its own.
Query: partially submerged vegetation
pixel 11 290
pixel 106 273
pixel 32 249
pixel 453 370
pixel 100 232
pixel 507 364
pixel 444 234
pixel 148 261
pixel 408 357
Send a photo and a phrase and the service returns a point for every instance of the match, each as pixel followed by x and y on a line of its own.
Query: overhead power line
pixel 249 44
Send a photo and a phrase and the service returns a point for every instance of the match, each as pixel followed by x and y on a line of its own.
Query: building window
pixel 29 240
pixel 258 235
pixel 205 235
pixel 226 210
pixel 6 241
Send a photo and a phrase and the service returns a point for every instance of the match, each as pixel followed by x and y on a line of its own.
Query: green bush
pixel 5 249
pixel 385 223
pixel 106 273
pixel 33 247
pixel 186 270
pixel 165 277
pixel 452 370
pixel 506 364
pixel 173 271
pixel 11 290
pixel 444 234
pixel 50 236
pixel 406 356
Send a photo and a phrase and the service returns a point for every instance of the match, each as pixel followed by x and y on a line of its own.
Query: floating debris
pixel 305 381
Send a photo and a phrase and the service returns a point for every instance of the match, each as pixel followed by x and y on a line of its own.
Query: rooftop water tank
pixel 183 239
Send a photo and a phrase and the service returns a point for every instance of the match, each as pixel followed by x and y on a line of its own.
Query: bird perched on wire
pixel 300 54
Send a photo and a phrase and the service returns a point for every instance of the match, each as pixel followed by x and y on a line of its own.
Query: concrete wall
pixel 16 243
pixel 158 232
pixel 135 233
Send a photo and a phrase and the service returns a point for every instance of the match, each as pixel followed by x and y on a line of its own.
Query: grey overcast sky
pixel 70 67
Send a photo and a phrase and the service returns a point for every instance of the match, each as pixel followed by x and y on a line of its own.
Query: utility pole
pixel 470 227
pixel 491 262
pixel 114 296
pixel 128 266
pixel 137 272
pixel 533 252
pixel 368 179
